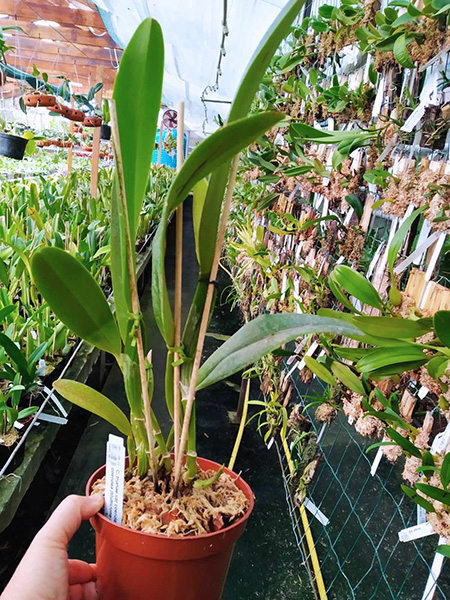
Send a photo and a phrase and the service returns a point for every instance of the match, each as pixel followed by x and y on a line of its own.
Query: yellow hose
pixel 237 443
pixel 309 538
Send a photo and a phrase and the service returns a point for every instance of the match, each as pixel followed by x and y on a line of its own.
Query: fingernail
pixel 96 501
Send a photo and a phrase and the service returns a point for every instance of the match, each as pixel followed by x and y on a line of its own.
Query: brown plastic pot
pixel 61 109
pixel 132 565
pixel 92 122
pixel 75 115
pixel 39 100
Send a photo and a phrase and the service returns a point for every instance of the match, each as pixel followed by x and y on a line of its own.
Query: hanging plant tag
pixel 115 475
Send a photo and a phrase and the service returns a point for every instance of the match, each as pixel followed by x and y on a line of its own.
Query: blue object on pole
pixel 170 160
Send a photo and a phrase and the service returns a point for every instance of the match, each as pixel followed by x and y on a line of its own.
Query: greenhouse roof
pixel 195 39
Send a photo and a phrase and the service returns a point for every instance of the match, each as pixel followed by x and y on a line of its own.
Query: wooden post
pixel 160 142
pixel 70 151
pixel 94 161
pixel 96 145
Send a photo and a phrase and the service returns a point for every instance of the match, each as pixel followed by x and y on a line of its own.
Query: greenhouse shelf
pixel 14 486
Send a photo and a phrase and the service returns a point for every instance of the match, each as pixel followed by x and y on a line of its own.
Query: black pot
pixel 12 146
pixel 105 132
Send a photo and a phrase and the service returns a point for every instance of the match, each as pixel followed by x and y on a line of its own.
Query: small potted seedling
pixel 16 140
pixel 84 103
pixel 182 514
pixel 105 132
pixel 41 94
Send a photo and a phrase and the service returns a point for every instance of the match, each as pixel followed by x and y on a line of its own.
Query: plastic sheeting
pixel 193 34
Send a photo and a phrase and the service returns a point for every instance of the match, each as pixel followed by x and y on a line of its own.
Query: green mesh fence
pixel 359 551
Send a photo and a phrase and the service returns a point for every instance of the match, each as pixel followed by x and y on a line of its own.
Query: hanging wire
pixel 222 53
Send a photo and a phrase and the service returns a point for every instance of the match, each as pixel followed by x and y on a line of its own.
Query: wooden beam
pixel 72 70
pixel 21 43
pixel 75 35
pixel 58 59
pixel 27 10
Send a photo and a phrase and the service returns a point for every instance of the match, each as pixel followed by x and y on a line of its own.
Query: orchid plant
pixel 75 297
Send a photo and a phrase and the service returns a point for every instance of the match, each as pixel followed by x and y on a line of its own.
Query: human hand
pixel 45 572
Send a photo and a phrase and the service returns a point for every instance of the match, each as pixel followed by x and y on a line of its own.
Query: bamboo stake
pixel 94 161
pixel 96 147
pixel 70 151
pixel 134 296
pixel 178 288
pixel 204 322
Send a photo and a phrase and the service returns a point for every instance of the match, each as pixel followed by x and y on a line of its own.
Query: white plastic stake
pixel 316 512
pixel 436 568
pixel 376 462
pixel 115 476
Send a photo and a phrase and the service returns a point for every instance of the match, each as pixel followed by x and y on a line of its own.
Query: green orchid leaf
pixel 320 370
pixel 395 327
pixel 95 402
pixel 404 443
pixel 382 357
pixel 348 378
pixel 76 298
pixel 418 499
pixel 434 492
pixel 137 94
pixel 262 335
pixel 445 471
pixel 444 549
pixel 218 148
pixel 356 285
pixel 442 326
pixel 437 366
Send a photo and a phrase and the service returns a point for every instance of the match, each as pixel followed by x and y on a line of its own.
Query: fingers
pixel 67 518
pixel 83 592
pixel 81 572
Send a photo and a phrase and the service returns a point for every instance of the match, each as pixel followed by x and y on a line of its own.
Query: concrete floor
pixel 266 563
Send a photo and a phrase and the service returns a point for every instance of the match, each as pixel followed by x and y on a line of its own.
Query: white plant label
pixel 316 512
pixel 416 532
pixel 421 515
pixel 115 474
pixel 376 462
pixel 436 568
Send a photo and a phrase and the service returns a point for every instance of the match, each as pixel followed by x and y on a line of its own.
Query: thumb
pixel 67 518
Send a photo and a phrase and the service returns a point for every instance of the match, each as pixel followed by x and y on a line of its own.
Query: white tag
pixel 52 419
pixel 413 118
pixel 115 476
pixel 435 256
pixel 51 394
pixel 440 441
pixel 316 512
pixel 376 462
pixel 270 444
pixel 379 98
pixel 311 350
pixel 421 515
pixel 423 392
pixel 416 532
pixel 436 568
pixel 414 256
